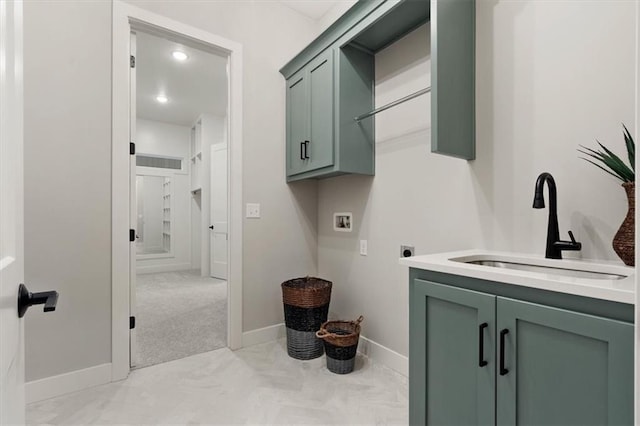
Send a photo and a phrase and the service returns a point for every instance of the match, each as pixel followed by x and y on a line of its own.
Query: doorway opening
pixel 179 291
pixel 174 238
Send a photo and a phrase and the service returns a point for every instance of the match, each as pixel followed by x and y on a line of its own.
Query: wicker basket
pixel 340 344
pixel 306 305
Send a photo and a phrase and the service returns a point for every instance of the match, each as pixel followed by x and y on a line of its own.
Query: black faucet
pixel 555 245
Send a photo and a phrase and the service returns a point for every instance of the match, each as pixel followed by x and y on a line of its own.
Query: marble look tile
pixel 256 385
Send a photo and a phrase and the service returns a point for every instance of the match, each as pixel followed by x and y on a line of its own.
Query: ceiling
pixel 195 86
pixel 314 9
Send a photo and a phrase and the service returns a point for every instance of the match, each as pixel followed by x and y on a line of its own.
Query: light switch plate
pixel 363 247
pixel 253 210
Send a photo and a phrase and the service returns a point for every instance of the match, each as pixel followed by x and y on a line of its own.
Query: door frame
pixel 125 19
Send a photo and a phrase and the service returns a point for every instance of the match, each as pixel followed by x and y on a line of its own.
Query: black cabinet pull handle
pixel 481 361
pixel 503 333
pixel 26 299
pixel 306 150
pixel 302 150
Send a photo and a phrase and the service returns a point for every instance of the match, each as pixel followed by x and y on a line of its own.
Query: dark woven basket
pixel 340 344
pixel 306 306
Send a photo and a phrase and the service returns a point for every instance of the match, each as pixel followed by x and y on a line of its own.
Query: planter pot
pixel 624 240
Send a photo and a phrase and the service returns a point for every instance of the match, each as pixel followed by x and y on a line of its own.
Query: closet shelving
pixel 166 215
pixel 196 157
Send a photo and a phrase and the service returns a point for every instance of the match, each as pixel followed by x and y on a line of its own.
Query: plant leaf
pixel 606 161
pixel 618 165
pixel 631 147
pixel 600 167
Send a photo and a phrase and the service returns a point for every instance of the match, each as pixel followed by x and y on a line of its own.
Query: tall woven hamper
pixel 306 306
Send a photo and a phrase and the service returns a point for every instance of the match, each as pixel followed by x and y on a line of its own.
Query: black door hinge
pixel 132 235
pixel 132 323
pixel 132 148
pixel 132 61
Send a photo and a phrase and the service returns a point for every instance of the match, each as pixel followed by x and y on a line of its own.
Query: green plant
pixel 614 165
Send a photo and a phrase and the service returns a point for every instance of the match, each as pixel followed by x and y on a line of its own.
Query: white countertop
pixel 617 290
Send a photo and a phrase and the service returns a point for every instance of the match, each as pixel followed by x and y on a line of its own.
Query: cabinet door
pixel 320 147
pixel 448 383
pixel 563 367
pixel 297 116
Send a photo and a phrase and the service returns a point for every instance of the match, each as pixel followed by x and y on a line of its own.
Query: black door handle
pixel 211 227
pixel 26 299
pixel 302 145
pixel 306 150
pixel 481 361
pixel 503 333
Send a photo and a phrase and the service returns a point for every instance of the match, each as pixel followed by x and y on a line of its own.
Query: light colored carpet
pixel 179 314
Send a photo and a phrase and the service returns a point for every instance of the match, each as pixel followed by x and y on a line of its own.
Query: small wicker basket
pixel 340 344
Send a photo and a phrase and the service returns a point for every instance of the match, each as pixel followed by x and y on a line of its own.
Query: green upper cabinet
pixel 297 117
pixel 323 97
pixel 310 126
pixel 332 81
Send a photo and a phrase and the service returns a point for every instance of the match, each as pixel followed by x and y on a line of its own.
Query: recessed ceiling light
pixel 179 56
pixel 162 99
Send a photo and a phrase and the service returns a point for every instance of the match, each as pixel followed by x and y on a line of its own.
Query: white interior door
pixel 12 398
pixel 133 206
pixel 219 232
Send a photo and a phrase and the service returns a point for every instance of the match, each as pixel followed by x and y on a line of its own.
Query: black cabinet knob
pixel 211 227
pixel 26 299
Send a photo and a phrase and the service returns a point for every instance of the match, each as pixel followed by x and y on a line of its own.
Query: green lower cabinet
pixel 451 380
pixel 480 359
pixel 564 368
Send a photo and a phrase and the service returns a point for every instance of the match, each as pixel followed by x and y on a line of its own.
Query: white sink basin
pixel 551 270
pixel 602 280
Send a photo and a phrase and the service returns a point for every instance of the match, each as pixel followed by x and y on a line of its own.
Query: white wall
pixel 156 137
pixel 67 122
pixel 550 76
pixel 172 140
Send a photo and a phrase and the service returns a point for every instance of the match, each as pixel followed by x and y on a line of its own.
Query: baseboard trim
pixel 384 355
pixel 50 387
pixel 263 335
pixel 170 267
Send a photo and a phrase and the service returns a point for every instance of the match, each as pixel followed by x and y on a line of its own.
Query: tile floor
pixel 256 385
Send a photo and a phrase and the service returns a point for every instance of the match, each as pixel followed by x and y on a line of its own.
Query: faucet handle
pixel 573 239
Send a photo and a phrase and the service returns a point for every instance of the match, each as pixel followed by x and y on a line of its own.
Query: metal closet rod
pixel 392 104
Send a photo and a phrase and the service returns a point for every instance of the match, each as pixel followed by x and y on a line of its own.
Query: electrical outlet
pixel 253 210
pixel 407 251
pixel 363 247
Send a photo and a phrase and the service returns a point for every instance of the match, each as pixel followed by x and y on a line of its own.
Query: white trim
pixel 123 16
pixel 263 335
pixel 50 387
pixel 383 355
pixel 168 267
